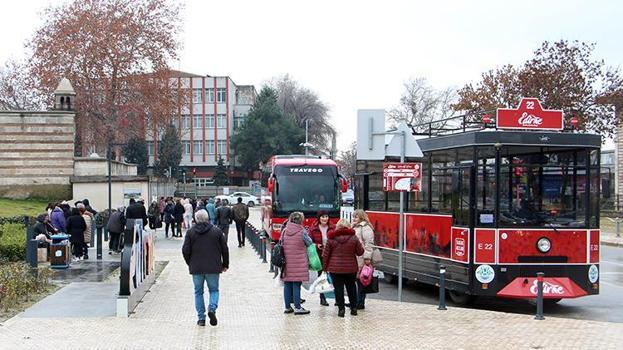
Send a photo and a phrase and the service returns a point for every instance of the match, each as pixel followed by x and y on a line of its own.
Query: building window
pixel 197 96
pixel 150 148
pixel 197 147
pixel 221 95
pixel 210 147
pixel 238 122
pixel 186 147
pixel 209 121
pixel 185 121
pixel 209 95
pixel 222 147
pixel 174 123
pixel 197 121
pixel 221 121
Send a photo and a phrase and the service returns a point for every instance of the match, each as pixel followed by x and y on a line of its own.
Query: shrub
pixel 18 282
pixel 13 242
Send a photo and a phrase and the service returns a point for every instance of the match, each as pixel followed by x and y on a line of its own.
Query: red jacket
pixel 340 253
pixel 316 236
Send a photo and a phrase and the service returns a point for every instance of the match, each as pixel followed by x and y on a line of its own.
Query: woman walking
pixel 340 260
pixel 295 240
pixel 319 235
pixel 365 233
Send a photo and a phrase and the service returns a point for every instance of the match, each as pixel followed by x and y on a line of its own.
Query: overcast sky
pixel 357 54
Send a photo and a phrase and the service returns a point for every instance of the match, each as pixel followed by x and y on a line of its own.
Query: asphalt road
pixel 606 306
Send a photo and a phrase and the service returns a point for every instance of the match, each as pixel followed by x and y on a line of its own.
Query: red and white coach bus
pixel 308 184
pixel 500 201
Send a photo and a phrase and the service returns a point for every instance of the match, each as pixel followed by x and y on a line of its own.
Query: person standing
pixel 57 219
pixel 295 240
pixel 169 218
pixel 161 204
pixel 211 209
pixel 75 228
pixel 340 260
pixel 241 214
pixel 136 211
pixel 365 233
pixel 87 207
pixel 224 217
pixel 178 215
pixel 319 235
pixel 153 215
pixel 88 234
pixel 206 254
pixel 188 214
pixel 116 225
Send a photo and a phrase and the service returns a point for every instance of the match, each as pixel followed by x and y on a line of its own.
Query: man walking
pixel 224 216
pixel 241 214
pixel 206 254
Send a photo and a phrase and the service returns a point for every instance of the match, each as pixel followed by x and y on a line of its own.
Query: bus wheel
pixel 391 279
pixel 460 298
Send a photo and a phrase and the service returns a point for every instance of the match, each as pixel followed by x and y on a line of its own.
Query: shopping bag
pixel 373 287
pixel 314 259
pixel 321 285
pixel 277 282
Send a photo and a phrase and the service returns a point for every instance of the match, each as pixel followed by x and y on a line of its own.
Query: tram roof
pixel 510 138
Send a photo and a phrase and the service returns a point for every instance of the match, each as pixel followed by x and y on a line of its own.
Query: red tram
pixel 496 206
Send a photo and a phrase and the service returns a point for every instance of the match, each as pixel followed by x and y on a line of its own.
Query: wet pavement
pixel 85 271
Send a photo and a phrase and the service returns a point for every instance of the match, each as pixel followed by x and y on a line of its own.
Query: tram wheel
pixel 460 298
pixel 391 279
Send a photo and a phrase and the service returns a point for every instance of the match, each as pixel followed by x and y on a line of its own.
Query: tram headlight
pixel 544 245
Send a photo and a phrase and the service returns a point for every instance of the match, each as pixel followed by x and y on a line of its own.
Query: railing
pixel 346 213
pixel 258 240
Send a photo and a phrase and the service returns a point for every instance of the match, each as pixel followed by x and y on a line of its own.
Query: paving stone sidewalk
pixel 250 316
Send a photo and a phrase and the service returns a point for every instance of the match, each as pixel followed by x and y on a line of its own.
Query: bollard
pixel 271 268
pixel 442 288
pixel 99 243
pixel 31 253
pixel 539 296
pixel 618 227
pixel 264 250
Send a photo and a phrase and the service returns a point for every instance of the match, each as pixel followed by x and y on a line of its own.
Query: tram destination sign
pixel 529 115
pixel 402 177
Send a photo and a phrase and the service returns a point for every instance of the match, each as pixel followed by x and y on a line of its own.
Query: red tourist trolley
pixel 304 183
pixel 500 200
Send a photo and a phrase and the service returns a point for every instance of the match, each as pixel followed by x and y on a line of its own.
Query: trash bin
pixel 59 252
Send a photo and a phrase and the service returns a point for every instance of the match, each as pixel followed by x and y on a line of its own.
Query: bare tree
pixel 347 161
pixel 18 90
pixel 421 103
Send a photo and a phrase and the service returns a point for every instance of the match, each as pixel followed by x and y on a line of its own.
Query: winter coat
pixel 161 205
pixel 224 215
pixel 136 211
pixel 58 220
pixel 241 212
pixel 366 236
pixel 341 252
pixel 154 210
pixel 188 209
pixel 41 228
pixel 178 212
pixel 211 209
pixel 169 211
pixel 295 251
pixel 75 227
pixel 205 249
pixel 116 223
pixel 88 220
pixel 316 236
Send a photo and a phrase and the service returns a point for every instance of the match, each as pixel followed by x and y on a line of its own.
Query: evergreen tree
pixel 266 132
pixel 220 174
pixel 169 152
pixel 135 152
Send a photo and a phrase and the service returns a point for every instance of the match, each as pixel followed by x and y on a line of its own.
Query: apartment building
pixel 216 108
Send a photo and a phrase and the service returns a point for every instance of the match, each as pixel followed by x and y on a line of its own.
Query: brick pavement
pixel 250 316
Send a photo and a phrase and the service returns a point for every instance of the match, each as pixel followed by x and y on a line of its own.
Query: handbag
pixel 373 287
pixel 314 259
pixel 377 257
pixel 278 258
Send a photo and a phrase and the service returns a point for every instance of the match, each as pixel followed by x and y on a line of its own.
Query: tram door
pixel 462 196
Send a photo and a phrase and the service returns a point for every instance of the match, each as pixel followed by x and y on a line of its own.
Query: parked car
pixel 248 199
pixel 348 197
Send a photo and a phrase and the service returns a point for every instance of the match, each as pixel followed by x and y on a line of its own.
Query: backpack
pixel 278 258
pixel 365 276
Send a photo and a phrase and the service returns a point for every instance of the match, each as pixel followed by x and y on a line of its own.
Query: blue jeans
pixel 292 289
pixel 198 281
pixel 361 296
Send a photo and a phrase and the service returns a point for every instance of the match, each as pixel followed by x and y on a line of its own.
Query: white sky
pixel 357 54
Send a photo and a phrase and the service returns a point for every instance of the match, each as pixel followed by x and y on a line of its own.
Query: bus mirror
pixel 344 184
pixel 271 185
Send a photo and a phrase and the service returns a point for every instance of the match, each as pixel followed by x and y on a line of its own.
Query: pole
pixel 442 288
pixel 306 140
pixel 109 156
pixel 539 296
pixel 401 222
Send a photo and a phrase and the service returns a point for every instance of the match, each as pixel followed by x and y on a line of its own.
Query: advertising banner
pixel 529 115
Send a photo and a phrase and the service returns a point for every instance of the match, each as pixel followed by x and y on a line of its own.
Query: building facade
pixel 216 107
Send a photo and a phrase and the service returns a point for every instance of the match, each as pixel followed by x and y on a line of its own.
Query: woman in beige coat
pixel 365 233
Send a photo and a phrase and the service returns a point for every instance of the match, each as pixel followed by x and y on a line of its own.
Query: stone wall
pixel 36 150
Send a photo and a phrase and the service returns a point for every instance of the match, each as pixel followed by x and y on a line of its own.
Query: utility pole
pixel 306 137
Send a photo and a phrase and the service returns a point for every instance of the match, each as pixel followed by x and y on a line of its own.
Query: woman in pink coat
pixel 295 240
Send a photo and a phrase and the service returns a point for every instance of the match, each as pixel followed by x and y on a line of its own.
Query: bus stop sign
pixel 402 177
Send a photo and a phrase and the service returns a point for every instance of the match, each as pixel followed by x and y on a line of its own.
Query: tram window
pixel 594 197
pixel 460 196
pixel 441 191
pixel 485 193
pixel 418 201
pixel 393 201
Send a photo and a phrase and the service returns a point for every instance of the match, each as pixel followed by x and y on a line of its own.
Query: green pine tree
pixel 220 174
pixel 169 153
pixel 135 152
pixel 266 132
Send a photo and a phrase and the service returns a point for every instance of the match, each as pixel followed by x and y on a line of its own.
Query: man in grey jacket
pixel 116 225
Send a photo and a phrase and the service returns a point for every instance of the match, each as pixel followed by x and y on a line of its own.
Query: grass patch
pixel 19 207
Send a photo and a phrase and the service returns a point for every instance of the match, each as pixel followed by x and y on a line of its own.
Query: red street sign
pixel 529 115
pixel 402 177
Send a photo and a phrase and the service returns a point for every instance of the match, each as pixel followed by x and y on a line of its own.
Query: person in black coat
pixel 75 228
pixel 206 254
pixel 224 217
pixel 169 218
pixel 178 215
pixel 136 211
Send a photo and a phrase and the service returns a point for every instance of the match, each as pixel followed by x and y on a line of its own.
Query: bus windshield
pixel 306 188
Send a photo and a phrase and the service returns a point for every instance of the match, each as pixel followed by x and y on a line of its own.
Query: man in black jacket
pixel 206 254
pixel 224 217
pixel 136 211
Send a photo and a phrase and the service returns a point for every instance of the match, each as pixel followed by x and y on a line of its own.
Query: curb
pixel 612 244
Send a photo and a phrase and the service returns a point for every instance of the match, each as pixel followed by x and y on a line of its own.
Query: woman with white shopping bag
pixel 371 256
pixel 319 235
pixel 340 260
